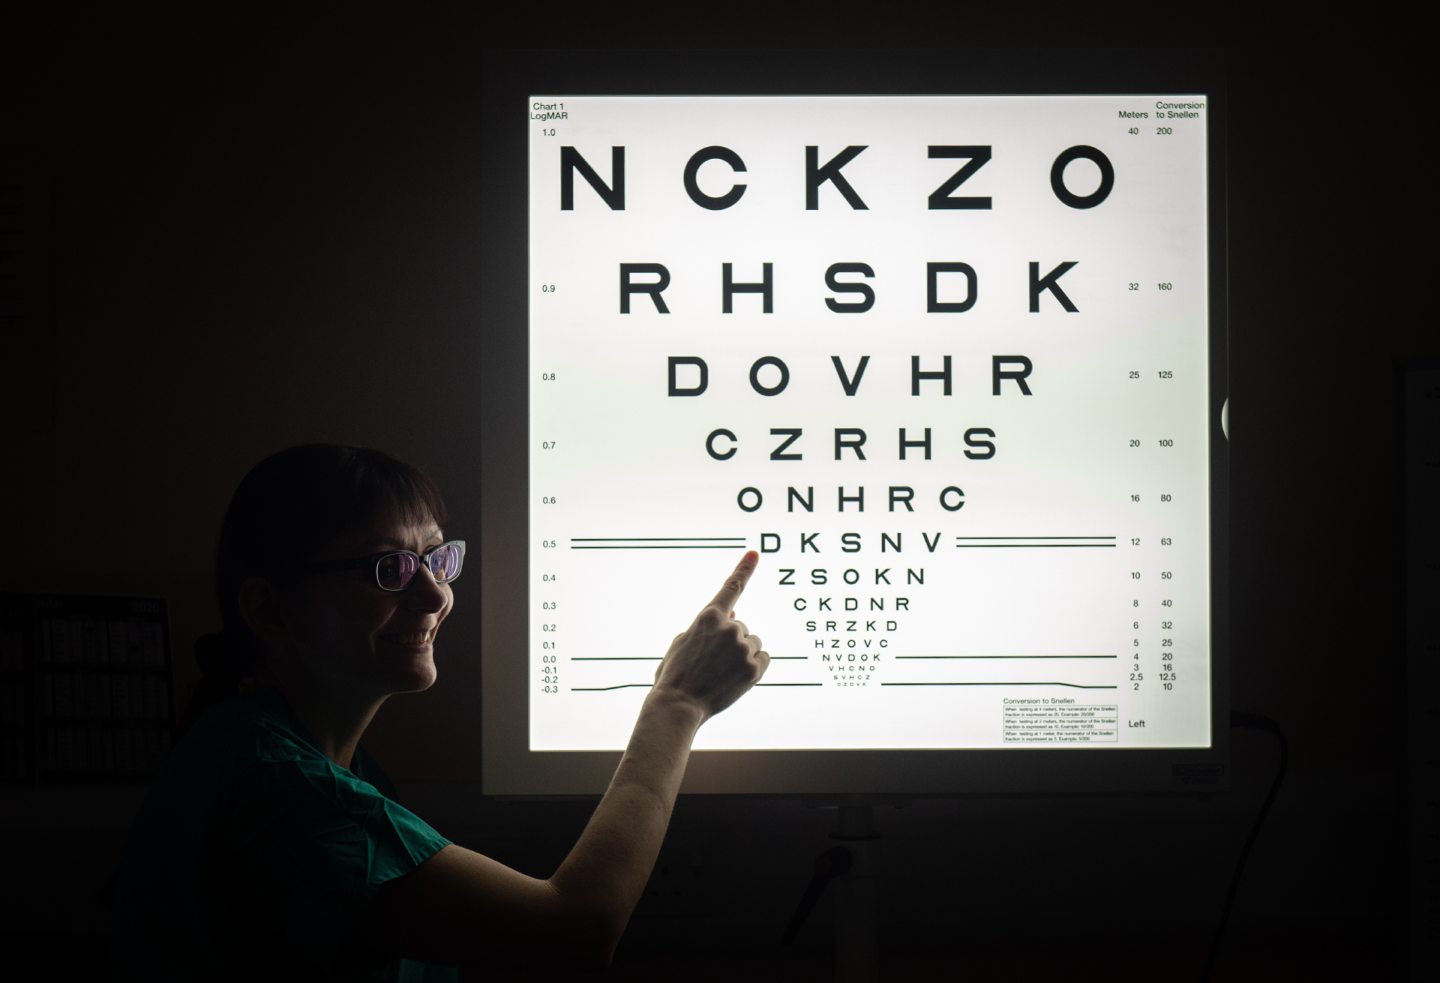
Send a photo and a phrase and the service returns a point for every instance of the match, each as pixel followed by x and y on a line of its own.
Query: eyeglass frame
pixel 374 560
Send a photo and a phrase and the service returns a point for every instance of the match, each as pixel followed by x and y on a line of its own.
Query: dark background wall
pixel 262 232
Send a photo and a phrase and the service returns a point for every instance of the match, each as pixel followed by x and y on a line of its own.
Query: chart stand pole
pixel 857 898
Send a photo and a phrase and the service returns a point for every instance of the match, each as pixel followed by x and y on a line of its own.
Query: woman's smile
pixel 414 639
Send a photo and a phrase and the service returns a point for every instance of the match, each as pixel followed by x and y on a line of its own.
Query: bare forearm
pixel 605 874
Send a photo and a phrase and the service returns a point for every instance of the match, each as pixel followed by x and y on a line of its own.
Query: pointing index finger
pixel 735 585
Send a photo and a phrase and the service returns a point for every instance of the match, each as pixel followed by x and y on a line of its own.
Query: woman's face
pixel 351 636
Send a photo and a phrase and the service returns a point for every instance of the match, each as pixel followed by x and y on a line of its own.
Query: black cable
pixel 1256 721
pixel 833 863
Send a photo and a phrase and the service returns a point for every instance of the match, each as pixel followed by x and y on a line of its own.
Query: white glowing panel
pixel 956 394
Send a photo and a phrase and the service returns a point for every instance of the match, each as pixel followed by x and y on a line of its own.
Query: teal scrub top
pixel 254 852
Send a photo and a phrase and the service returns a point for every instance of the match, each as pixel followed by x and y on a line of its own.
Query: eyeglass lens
pixel 396 570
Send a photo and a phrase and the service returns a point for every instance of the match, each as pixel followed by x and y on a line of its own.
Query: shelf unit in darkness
pixel 85 688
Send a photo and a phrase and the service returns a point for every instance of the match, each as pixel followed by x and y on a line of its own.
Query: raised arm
pixel 461 907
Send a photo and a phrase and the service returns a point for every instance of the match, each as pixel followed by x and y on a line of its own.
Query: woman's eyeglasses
pixel 396 569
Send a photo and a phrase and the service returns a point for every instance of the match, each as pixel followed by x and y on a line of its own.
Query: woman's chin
pixel 423 682
pixel 420 679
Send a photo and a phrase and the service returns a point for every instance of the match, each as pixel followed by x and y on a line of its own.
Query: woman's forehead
pixel 391 530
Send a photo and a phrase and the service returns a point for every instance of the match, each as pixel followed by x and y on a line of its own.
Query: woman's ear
pixel 263 610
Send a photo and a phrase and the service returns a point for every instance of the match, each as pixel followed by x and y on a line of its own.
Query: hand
pixel 716 660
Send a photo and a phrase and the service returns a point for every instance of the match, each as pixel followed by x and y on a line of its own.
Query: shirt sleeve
pixel 309 843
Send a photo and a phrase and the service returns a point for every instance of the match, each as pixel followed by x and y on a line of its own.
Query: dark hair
pixel 290 506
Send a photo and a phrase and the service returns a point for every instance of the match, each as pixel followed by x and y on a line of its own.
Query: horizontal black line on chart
pixel 1034 537
pixel 1071 685
pixel 657 546
pixel 1006 656
pixel 1034 546
pixel 606 689
pixel 657 658
pixel 657 539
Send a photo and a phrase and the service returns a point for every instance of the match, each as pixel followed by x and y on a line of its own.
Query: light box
pixel 954 364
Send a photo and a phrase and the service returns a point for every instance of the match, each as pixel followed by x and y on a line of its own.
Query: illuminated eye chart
pixel 941 360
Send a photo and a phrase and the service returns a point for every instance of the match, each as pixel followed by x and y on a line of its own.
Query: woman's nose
pixel 424 593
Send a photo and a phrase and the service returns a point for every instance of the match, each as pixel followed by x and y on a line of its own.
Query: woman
pixel 271 845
